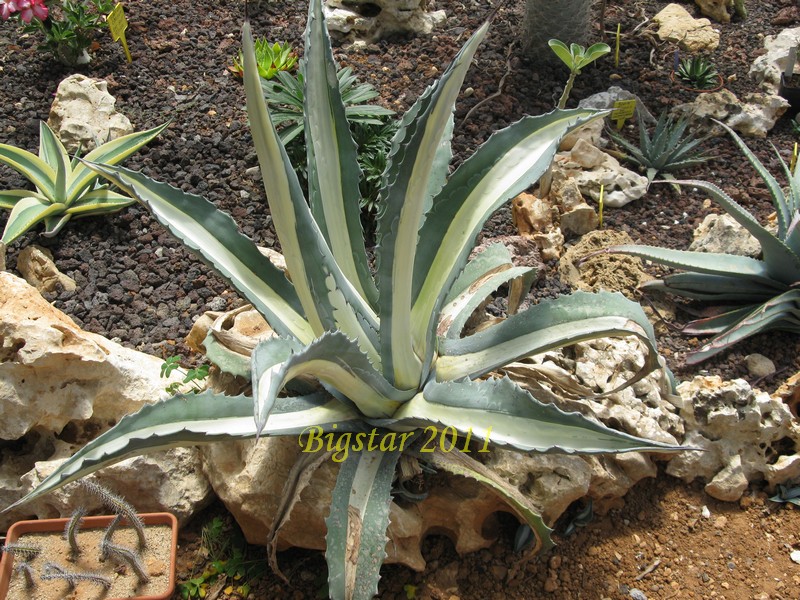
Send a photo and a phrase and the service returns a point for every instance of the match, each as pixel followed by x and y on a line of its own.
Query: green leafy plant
pixel 576 57
pixel 787 494
pixel 669 149
pixel 698 72
pixel 270 58
pixel 68 26
pixel 193 376
pixel 386 347
pixel 755 295
pixel 65 188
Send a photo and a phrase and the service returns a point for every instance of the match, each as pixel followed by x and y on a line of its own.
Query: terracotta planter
pixel 685 86
pixel 159 557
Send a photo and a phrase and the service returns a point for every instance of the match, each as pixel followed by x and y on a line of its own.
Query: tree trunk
pixel 567 20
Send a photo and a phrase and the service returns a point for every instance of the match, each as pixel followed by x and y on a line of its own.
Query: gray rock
pixel 606 100
pixel 371 20
pixel 722 233
pixel 766 69
pixel 759 365
pixel 753 116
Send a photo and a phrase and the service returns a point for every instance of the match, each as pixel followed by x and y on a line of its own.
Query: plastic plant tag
pixel 623 110
pixel 117 24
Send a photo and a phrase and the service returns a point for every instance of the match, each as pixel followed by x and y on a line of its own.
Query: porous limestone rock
pixel 722 233
pixel 83 115
pixel 37 267
pixel 52 372
pixel 590 167
pixel 743 434
pixel 766 69
pixel 716 9
pixel 371 20
pixel 575 216
pixel 166 481
pixel 537 219
pixel 677 26
pixel 753 116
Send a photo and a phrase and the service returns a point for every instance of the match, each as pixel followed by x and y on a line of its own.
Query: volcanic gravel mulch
pixel 137 284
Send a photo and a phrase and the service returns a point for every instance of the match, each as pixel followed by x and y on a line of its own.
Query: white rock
pixel 52 372
pixel 729 419
pixel 374 19
pixel 676 25
pixel 766 69
pixel 606 100
pixel 37 267
pixel 591 168
pixel 752 117
pixel 83 114
pixel 722 233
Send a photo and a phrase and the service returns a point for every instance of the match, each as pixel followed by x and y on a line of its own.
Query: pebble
pixel 550 585
pixel 637 594
pixel 759 365
pixel 720 522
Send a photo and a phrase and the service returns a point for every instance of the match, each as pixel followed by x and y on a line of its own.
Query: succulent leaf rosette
pixel 386 346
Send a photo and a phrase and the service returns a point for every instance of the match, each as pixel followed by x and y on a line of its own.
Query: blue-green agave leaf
pixel 187 419
pixel 356 539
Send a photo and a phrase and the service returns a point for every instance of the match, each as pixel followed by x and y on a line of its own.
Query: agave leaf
pixel 488 259
pixel 333 178
pixel 317 278
pixel 225 358
pixel 213 235
pixel 52 151
pixel 407 184
pixel 506 415
pixel 545 326
pixel 702 286
pixel 784 212
pixel 781 262
pixel 356 539
pixel 110 153
pixel 727 317
pixel 782 312
pixel 33 168
pixel 703 262
pixel 26 213
pixel 459 463
pixel 8 198
pixel 510 161
pixel 332 359
pixel 54 223
pixel 101 201
pixel 187 419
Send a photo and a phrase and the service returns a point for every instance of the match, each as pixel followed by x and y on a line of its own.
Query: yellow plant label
pixel 623 110
pixel 117 24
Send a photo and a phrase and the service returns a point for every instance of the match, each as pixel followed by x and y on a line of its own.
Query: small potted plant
pixel 696 74
pixel 119 556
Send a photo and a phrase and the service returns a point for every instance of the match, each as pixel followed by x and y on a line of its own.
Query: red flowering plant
pixel 68 25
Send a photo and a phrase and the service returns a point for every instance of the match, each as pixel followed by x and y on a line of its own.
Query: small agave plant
pixel 757 295
pixel 386 346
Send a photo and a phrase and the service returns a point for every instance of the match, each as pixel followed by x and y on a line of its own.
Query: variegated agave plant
pixel 757 295
pixel 385 347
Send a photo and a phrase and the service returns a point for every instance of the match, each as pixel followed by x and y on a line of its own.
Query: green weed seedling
pixel 191 376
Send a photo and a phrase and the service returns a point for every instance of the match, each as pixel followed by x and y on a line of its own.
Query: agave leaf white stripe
pixel 412 160
pixel 101 201
pixel 31 167
pixel 356 539
pixel 506 415
pixel 25 214
pixel 53 152
pixel 310 262
pixel 505 165
pixel 194 419
pixel 333 171
pixel 214 236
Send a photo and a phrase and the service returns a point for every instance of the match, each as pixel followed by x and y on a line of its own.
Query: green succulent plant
pixel 668 149
pixel 271 59
pixel 386 347
pixel 698 72
pixel 65 188
pixel 757 295
pixel 576 57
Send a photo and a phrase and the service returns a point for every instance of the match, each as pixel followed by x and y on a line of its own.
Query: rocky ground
pixel 137 284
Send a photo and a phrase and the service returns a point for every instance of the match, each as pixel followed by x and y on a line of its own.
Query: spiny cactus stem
pixel 129 556
pixel 26 568
pixel 27 551
pixel 119 506
pixel 71 530
pixel 52 571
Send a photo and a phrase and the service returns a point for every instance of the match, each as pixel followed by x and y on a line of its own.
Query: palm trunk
pixel 567 20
